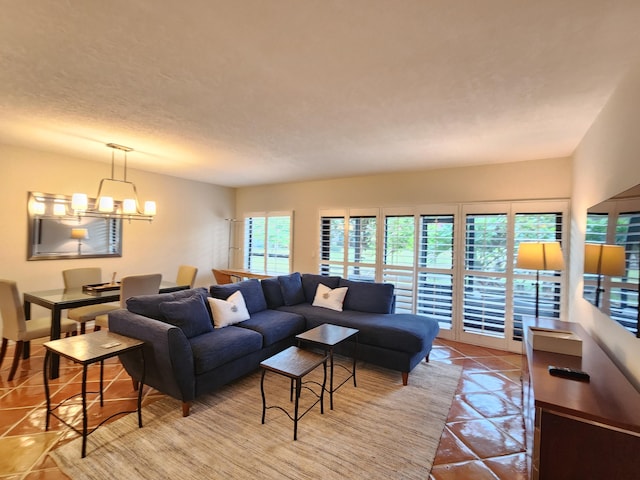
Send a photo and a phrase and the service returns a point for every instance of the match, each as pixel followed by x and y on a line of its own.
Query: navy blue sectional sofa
pixel 186 357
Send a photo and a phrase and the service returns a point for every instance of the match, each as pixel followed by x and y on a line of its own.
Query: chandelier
pixel 116 198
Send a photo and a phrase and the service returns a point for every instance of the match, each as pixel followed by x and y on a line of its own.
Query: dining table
pixel 60 299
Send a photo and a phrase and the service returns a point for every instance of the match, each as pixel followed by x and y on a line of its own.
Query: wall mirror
pixel 613 233
pixel 55 233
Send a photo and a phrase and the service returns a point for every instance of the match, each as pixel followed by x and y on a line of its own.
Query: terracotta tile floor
pixel 483 439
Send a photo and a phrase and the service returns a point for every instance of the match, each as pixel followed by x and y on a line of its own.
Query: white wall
pixel 188 229
pixel 606 162
pixel 538 179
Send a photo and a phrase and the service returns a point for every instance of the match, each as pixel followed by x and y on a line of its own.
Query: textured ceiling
pixel 252 92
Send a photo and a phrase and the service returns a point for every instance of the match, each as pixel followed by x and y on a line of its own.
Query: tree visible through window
pixel 267 243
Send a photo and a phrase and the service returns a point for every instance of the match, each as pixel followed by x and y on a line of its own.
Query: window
pixel 267 242
pixel 348 244
pixel 452 263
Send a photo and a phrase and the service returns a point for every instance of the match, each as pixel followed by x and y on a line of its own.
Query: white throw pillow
pixel 329 298
pixel 229 311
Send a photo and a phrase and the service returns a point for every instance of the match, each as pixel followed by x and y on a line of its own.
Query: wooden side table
pixel 294 363
pixel 85 350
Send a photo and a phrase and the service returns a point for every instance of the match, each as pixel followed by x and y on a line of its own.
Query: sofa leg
pixel 405 378
pixel 185 408
pixel 135 383
pixel 426 359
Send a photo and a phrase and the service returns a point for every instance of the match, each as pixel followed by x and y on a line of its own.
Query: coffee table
pixel 327 336
pixel 87 349
pixel 294 363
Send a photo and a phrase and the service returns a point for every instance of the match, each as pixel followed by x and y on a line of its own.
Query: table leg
pixel 84 411
pixel 45 372
pixel 141 387
pixel 295 415
pixel 26 346
pixel 264 401
pixel 331 378
pixel 355 358
pixel 101 382
pixel 55 335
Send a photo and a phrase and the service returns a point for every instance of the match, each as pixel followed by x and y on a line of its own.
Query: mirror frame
pixel 624 203
pixel 37 220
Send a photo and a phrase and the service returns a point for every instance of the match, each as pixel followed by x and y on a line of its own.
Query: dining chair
pixel 77 278
pixel 131 286
pixel 16 328
pixel 186 275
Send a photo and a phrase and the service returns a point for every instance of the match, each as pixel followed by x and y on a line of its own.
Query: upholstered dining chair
pixel 186 275
pixel 76 278
pixel 16 328
pixel 131 286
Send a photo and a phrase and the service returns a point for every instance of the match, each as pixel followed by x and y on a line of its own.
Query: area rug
pixel 378 430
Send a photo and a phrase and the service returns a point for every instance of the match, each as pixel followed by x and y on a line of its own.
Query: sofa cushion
pixel 190 314
pixel 229 311
pixel 330 298
pixel 310 283
pixel 402 332
pixel 272 292
pixel 368 296
pixel 291 287
pixel 149 305
pixel 251 291
pixel 223 345
pixel 274 325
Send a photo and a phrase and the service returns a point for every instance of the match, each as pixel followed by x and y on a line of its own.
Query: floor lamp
pixel 539 256
pixel 601 259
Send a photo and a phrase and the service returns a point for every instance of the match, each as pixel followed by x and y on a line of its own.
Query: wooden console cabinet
pixel 579 430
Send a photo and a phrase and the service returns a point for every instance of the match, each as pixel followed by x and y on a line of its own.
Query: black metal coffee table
pixel 327 336
pixel 294 363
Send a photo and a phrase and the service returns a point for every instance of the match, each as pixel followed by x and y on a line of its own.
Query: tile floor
pixel 484 437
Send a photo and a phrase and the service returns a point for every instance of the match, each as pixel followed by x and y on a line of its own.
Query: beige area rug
pixel 378 430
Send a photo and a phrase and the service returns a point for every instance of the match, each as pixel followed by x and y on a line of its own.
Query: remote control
pixel 569 373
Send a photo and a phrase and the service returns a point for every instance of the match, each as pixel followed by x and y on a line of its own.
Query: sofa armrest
pixel 169 365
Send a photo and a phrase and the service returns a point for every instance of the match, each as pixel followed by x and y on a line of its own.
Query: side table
pixel 327 336
pixel 294 363
pixel 85 350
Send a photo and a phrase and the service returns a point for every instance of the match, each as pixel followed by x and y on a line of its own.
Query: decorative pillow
pixel 190 314
pixel 272 292
pixel 329 298
pixel 149 305
pixel 229 311
pixel 291 287
pixel 310 283
pixel 368 297
pixel 251 292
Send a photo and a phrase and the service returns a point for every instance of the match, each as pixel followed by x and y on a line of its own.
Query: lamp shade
pixel 129 206
pixel 39 208
pixel 79 202
pixel 602 259
pixel 540 256
pixel 149 207
pixel 59 209
pixel 105 204
pixel 79 233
